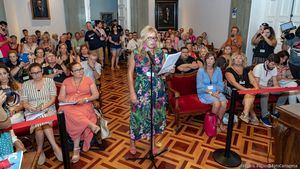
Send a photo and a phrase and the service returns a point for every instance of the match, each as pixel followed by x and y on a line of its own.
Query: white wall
pixel 211 16
pixel 18 16
pixel 98 6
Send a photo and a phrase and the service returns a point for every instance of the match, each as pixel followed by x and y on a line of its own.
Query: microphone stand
pixel 150 156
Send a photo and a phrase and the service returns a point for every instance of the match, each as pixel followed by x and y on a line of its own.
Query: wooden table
pixel 287 135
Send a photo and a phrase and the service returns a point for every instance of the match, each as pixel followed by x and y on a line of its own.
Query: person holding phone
pixel 235 40
pixel 18 67
pixel 265 43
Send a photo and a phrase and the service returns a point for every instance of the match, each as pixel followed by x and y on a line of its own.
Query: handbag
pixel 210 124
pixel 102 123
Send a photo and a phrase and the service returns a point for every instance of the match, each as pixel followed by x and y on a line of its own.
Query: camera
pixel 286 28
pixel 10 93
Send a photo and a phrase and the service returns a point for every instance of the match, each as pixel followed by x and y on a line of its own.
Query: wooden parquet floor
pixel 188 148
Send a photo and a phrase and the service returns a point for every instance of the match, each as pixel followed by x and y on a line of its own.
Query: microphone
pixel 150 57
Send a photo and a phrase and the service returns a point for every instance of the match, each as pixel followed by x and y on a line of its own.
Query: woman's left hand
pixel 81 101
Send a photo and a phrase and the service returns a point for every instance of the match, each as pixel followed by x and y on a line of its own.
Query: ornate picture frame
pixel 40 9
pixel 166 16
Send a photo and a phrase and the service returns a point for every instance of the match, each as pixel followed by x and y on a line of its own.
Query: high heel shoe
pixel 76 155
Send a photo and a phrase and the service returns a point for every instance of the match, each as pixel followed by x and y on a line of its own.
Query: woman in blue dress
pixel 210 87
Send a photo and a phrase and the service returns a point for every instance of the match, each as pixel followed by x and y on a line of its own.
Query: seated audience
pixel 223 60
pixel 40 56
pixel 38 99
pixel 18 70
pixel 210 87
pixel 265 43
pixel 160 42
pixel 192 37
pixel 168 45
pixel 263 72
pixel 235 40
pixel 30 46
pixel 56 71
pixel 241 77
pixel 83 54
pixel 133 43
pixel 285 79
pixel 46 43
pixel 92 68
pixel 77 42
pixel 184 40
pixel 80 118
pixel 13 45
pixel 185 63
pixel 64 55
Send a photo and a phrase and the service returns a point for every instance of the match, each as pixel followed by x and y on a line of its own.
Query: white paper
pixel 169 63
pixel 66 103
pixel 34 115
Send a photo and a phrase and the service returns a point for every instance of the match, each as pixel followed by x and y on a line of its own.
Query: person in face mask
pixel 263 72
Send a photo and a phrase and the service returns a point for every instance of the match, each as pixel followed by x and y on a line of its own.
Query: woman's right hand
pixel 2 97
pixel 133 98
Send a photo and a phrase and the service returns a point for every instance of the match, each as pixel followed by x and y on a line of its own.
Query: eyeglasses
pixel 151 38
pixel 77 70
pixel 35 73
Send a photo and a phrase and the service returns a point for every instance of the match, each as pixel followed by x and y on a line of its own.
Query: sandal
pixel 244 117
pixel 76 155
pixel 254 120
pixel 132 150
pixel 154 150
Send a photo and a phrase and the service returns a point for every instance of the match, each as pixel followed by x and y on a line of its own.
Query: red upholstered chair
pixel 183 98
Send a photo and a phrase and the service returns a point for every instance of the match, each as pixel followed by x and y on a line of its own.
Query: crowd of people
pixel 36 65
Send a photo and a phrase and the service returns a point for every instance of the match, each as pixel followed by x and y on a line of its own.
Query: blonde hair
pixel 145 34
pixel 234 56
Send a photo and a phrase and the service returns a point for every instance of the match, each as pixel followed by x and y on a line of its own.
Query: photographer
pixel 235 40
pixel 293 41
pixel 5 136
pixel 265 42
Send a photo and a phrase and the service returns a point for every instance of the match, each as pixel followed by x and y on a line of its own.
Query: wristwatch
pixel 86 100
pixel 210 92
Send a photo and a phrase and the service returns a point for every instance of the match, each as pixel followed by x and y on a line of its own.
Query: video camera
pixel 286 28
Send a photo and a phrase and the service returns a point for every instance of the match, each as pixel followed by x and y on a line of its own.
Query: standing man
pixel 92 40
pixel 4 42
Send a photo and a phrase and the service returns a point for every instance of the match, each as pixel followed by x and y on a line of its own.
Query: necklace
pixel 77 85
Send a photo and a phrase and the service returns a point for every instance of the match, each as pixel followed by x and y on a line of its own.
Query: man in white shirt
pixel 133 43
pixel 91 67
pixel 263 73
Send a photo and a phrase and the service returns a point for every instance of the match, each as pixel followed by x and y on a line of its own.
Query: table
pixel 287 135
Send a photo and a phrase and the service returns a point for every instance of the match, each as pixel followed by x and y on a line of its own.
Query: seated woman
pixel 6 81
pixel 56 71
pixel 64 55
pixel 40 56
pixel 80 118
pixel 242 78
pixel 38 99
pixel 285 79
pixel 83 53
pixel 223 60
pixel 210 87
pixel 92 68
pixel 18 70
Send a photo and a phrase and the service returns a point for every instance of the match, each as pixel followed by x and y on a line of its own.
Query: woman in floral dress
pixel 140 90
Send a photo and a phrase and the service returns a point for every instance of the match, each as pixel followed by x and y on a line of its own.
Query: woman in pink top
pixel 80 117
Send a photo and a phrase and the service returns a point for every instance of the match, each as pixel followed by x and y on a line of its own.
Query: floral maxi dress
pixel 140 112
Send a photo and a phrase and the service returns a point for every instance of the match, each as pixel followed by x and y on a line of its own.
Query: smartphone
pixel 24 58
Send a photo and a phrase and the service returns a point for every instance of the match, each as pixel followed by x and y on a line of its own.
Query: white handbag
pixel 105 133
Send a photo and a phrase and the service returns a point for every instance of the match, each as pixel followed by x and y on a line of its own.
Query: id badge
pixel 242 82
pixel 25 77
pixel 210 87
pixel 262 51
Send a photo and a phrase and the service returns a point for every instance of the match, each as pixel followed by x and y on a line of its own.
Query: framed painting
pixel 166 16
pixel 107 17
pixel 40 9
